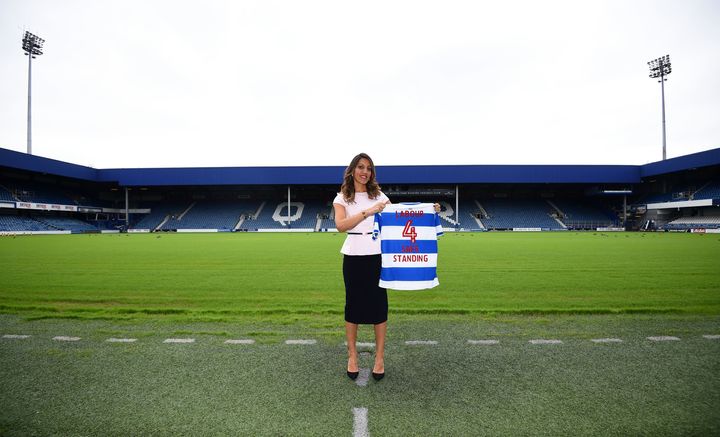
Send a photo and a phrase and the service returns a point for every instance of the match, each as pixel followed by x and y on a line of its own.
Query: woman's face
pixel 362 172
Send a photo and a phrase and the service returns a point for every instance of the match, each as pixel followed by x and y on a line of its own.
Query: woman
pixel 365 303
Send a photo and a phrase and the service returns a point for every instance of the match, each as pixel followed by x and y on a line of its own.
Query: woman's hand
pixel 378 207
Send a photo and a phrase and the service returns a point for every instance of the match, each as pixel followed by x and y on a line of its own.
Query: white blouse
pixel 360 244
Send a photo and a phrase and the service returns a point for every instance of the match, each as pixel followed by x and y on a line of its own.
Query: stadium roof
pixel 332 175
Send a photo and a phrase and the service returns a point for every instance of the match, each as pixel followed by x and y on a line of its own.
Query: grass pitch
pixel 510 287
pixel 637 387
pixel 297 277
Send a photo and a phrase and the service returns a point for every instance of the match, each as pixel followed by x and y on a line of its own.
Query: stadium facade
pixel 41 195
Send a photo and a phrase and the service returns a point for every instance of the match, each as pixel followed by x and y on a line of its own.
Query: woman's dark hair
pixel 348 185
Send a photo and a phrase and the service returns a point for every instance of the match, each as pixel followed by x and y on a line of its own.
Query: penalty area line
pixel 64 338
pixel 16 336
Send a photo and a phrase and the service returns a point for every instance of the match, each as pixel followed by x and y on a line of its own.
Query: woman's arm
pixel 343 222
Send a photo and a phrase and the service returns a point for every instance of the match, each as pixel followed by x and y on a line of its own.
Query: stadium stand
pixel 158 214
pixel 211 215
pixel 710 191
pixel 273 215
pixel 40 193
pixel 684 223
pixel 506 213
pixel 686 192
pixel 469 217
pixel 6 195
pixel 13 223
pixel 657 198
pixel 577 214
pixel 66 224
pixel 310 215
pixel 327 217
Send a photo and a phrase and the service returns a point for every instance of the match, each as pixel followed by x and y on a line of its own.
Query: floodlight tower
pixel 661 67
pixel 33 46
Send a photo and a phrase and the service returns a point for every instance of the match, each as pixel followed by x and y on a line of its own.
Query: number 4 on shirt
pixel 409 231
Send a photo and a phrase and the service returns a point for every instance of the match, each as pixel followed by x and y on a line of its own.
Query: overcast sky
pixel 245 83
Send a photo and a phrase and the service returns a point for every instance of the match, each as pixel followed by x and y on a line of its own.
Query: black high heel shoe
pixel 378 376
pixel 352 375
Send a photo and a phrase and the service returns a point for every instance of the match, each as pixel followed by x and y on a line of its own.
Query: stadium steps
pixel 239 223
pixel 180 217
pixel 259 210
pixel 482 226
pixel 555 207
pixel 162 223
pixel 482 210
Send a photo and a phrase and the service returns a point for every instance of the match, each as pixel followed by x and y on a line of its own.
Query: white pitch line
pixel 541 341
pixel 20 336
pixel 179 340
pixel 606 340
pixel 300 341
pixel 663 338
pixel 64 338
pixel 483 342
pixel 363 377
pixel 361 344
pixel 360 422
pixel 712 337
pixel 421 342
pixel 242 341
pixel 121 340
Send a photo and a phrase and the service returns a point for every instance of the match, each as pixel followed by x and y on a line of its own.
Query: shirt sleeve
pixel 340 200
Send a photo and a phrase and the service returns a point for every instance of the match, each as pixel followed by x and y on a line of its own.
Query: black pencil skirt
pixel 365 302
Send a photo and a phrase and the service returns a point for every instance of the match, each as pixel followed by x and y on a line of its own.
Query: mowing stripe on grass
pixel 712 337
pixel 18 336
pixel 606 340
pixel 179 340
pixel 363 377
pixel 300 341
pixel 360 422
pixel 483 342
pixel 541 341
pixel 64 338
pixel 663 338
pixel 121 340
pixel 241 341
pixel 421 342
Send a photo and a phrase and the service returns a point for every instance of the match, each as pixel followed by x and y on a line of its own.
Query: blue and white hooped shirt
pixel 408 238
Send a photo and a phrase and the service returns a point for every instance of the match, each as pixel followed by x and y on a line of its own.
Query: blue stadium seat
pixel 507 213
pixel 583 214
pixel 221 215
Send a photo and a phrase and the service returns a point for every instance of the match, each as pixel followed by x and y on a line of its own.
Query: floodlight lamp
pixel 32 44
